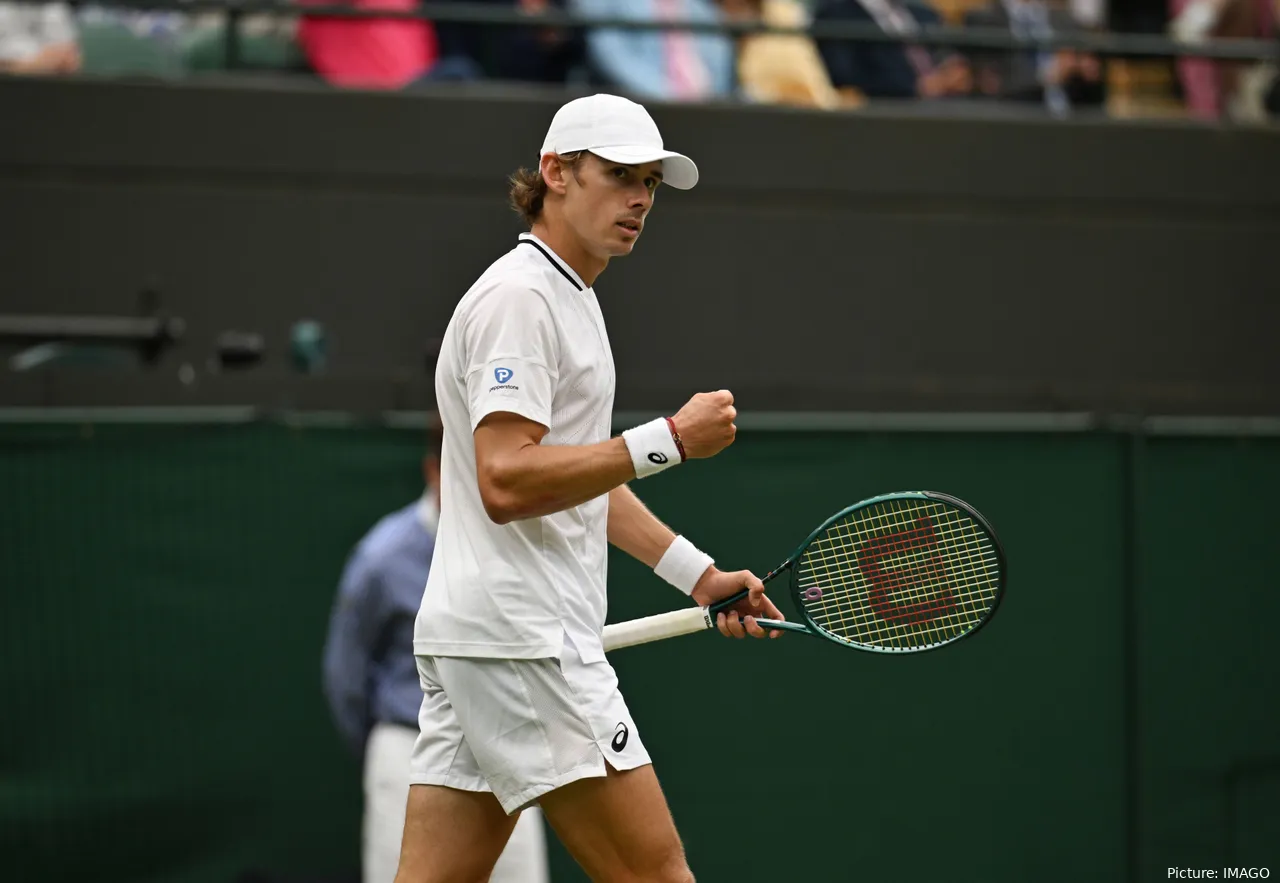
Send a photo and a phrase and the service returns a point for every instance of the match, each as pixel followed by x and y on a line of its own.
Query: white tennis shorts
pixel 520 728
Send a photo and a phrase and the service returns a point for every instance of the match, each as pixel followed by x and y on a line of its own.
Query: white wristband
pixel 652 447
pixel 683 564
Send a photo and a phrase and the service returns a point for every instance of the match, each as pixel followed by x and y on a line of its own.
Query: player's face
pixel 607 203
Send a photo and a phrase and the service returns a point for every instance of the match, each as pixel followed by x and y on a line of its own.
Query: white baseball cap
pixel 618 130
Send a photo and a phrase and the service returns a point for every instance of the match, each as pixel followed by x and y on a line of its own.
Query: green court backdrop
pixel 166 590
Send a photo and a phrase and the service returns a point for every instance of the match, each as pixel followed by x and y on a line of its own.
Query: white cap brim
pixel 677 169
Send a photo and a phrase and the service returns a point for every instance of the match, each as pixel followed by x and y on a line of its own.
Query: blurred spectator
pixel 776 68
pixel 395 53
pixel 541 55
pixel 38 39
pixel 1089 14
pixel 891 70
pixel 1060 79
pixel 371 53
pixel 1216 88
pixel 1271 89
pixel 666 65
pixel 371 680
pixel 118 41
pixel 158 24
pixel 517 53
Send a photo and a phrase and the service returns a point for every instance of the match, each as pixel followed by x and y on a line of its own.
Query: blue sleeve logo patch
pixel 502 375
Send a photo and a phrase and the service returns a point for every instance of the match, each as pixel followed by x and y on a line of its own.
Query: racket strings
pixel 896 619
pixel 901 600
pixel 903 574
pixel 901 603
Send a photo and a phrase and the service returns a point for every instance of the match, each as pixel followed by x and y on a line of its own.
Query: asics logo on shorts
pixel 619 737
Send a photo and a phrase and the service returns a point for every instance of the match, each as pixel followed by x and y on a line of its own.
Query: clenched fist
pixel 705 424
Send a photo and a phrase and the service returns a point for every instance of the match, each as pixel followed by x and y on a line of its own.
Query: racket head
pixel 904 572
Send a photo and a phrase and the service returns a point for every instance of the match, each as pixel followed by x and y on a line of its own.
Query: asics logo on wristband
pixel 651 447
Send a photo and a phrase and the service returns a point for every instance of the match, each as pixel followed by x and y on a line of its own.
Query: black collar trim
pixel 546 254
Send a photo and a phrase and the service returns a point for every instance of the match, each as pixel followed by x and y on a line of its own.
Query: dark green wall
pixel 1209 594
pixel 165 598
pixel 166 590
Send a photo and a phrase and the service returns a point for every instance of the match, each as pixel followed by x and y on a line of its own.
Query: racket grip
pixel 655 628
pixel 725 603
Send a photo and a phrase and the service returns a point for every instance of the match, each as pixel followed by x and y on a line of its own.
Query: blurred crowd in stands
pixel 51 38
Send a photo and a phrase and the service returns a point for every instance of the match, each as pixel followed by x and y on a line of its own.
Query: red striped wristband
pixel 676 436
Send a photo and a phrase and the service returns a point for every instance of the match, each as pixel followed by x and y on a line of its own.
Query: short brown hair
pixel 529 188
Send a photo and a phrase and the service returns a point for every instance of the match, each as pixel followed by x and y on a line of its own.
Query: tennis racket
pixel 898 573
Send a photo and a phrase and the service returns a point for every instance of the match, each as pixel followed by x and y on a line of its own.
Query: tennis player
pixel 520 705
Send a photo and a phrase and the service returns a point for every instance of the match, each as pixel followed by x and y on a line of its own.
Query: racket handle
pixel 725 603
pixel 678 622
pixel 656 628
pixel 720 606
pixel 666 625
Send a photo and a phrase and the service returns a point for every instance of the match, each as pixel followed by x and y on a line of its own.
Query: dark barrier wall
pixel 826 262
pixel 1211 743
pixel 166 591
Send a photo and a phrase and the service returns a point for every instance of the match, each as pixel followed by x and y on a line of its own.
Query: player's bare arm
pixel 634 529
pixel 522 478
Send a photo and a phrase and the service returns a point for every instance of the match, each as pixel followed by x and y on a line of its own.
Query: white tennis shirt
pixel 529 338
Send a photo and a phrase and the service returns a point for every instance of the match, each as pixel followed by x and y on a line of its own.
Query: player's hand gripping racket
pixel 898 573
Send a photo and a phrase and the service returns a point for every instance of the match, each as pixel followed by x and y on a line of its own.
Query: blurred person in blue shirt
pixel 371 680
pixel 667 65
